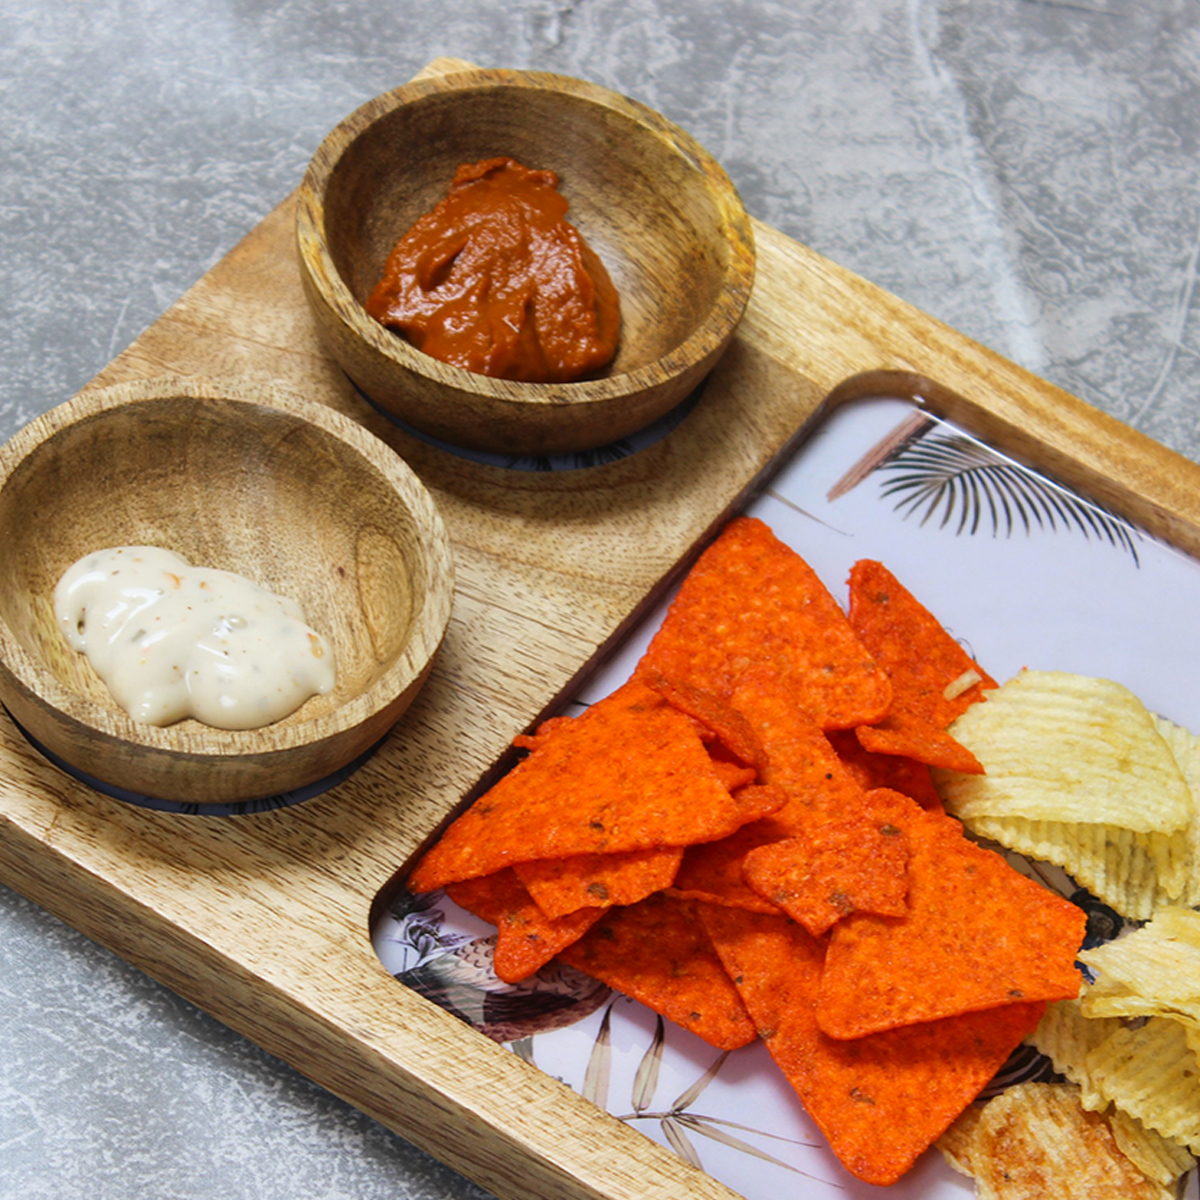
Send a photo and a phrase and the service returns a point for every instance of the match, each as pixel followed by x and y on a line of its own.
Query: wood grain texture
pixel 657 209
pixel 264 920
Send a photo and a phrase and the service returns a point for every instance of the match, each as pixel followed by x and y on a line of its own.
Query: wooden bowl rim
pixel 436 571
pixel 711 334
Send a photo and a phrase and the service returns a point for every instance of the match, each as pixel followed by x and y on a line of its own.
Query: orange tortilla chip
pixel 713 872
pixel 526 939
pixel 630 773
pixel 892 771
pixel 904 734
pixel 800 759
pixel 733 774
pixel 752 599
pixel 854 865
pixel 655 952
pixel 978 935
pixel 882 1100
pixel 728 725
pixel 923 663
pixel 565 885
pixel 531 741
pixel 801 763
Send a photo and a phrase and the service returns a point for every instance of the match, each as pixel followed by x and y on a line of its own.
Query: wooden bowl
pixel 245 478
pixel 657 208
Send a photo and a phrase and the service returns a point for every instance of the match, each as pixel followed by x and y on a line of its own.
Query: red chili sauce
pixel 496 280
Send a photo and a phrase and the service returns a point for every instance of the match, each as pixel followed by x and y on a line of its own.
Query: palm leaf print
pixel 958 482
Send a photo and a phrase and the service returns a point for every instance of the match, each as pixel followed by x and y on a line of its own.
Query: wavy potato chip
pixel 1185 746
pixel 1067 748
pixel 1158 1157
pixel 1066 1037
pixel 1153 971
pixel 1035 1142
pixel 957 1144
pixel 1152 1073
pixel 1131 872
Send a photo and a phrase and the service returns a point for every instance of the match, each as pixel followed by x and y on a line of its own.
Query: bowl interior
pixel 642 205
pixel 239 486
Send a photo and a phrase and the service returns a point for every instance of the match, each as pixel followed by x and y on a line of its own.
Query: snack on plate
pixel 933 678
pixel 798 760
pixel 977 935
pixel 1151 1072
pixel 1186 748
pixel 1156 1156
pixel 1142 1076
pixel 1066 1037
pixel 564 885
pixel 1079 775
pixel 751 598
pixel 526 938
pixel 655 952
pixel 1035 1142
pixel 1153 971
pixel 631 773
pixel 856 864
pixel 715 840
pixel 1068 748
pixel 881 1100
pixel 892 771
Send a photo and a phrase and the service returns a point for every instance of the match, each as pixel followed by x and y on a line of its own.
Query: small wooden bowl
pixel 245 478
pixel 657 208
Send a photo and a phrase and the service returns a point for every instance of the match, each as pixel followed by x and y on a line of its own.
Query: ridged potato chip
pixel 1152 1073
pixel 1154 1155
pixel 1186 748
pixel 1035 1142
pixel 1131 872
pixel 957 1144
pixel 1066 1037
pixel 1069 748
pixel 1153 971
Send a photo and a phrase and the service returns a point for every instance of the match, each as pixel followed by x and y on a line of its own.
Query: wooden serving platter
pixel 264 920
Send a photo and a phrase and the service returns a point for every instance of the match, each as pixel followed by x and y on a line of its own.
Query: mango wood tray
pixel 264 920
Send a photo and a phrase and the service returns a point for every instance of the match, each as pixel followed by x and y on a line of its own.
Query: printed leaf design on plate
pixel 599 1069
pixel 680 1143
pixel 677 1121
pixel 645 1081
pixel 970 486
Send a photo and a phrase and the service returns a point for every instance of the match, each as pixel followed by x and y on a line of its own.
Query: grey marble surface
pixel 1025 170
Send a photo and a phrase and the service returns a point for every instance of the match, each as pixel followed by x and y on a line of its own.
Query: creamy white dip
pixel 172 641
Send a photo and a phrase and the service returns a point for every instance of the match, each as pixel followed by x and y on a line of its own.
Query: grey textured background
pixel 1025 170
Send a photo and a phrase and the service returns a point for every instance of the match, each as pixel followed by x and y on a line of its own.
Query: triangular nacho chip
pixel 880 1100
pixel 565 885
pixel 526 939
pixel 933 678
pixel 854 864
pixel 630 773
pixel 977 935
pixel 752 599
pixel 657 953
